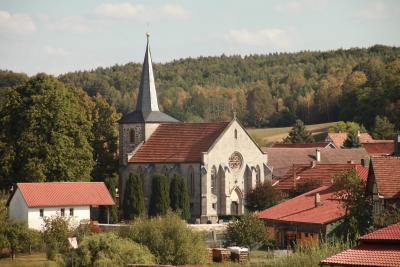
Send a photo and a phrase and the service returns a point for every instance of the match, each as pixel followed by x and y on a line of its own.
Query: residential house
pixel 33 202
pixel 281 160
pixel 379 147
pixel 303 176
pixel 379 248
pixel 383 182
pixel 311 215
pixel 338 138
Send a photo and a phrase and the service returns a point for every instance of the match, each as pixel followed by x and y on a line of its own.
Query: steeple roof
pixel 147 109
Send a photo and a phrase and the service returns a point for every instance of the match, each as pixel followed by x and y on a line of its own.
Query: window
pixel 165 171
pixel 62 212
pixel 214 205
pixel 213 180
pixel 258 175
pixel 235 134
pixel 191 180
pixel 132 136
pixel 41 213
pixel 306 234
pixel 71 212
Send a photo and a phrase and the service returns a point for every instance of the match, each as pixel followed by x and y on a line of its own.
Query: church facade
pixel 219 160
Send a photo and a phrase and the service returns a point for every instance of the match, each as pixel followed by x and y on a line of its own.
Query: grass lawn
pixel 266 136
pixel 31 260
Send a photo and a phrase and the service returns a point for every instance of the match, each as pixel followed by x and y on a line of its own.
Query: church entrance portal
pixel 236 202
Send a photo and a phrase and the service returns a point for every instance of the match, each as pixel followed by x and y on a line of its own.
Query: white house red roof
pixel 53 194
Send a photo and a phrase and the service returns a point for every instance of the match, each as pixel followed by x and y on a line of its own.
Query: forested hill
pixel 265 90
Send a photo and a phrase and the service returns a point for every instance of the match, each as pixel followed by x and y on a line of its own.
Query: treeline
pixel 265 90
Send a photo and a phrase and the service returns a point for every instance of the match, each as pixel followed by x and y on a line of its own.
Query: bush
pixel 169 239
pixel 107 249
pixel 263 196
pixel 56 231
pixel 249 231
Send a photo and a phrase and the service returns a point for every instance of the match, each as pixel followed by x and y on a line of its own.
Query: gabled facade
pixel 219 160
pixel 383 182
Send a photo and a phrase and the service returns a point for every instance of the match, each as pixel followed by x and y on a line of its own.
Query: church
pixel 219 161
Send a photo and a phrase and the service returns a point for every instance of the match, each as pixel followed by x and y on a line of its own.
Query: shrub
pixel 56 231
pixel 263 196
pixel 249 231
pixel 107 249
pixel 169 239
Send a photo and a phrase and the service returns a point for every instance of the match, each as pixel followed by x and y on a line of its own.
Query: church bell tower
pixel 136 127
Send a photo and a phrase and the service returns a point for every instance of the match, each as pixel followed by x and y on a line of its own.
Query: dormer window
pixel 132 136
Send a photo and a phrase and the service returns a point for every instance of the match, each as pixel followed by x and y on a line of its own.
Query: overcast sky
pixel 60 36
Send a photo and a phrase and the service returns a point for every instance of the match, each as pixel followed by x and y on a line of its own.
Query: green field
pixel 31 260
pixel 266 136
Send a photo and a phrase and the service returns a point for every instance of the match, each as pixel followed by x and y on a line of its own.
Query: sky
pixel 55 36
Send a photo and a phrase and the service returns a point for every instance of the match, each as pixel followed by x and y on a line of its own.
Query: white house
pixel 32 202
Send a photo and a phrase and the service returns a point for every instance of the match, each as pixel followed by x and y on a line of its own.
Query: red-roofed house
pixel 379 248
pixel 316 174
pixel 219 160
pixel 383 182
pixel 32 202
pixel 338 138
pixel 305 218
pixel 379 147
pixel 305 145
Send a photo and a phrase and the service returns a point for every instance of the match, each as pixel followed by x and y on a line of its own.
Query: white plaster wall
pixel 149 129
pixel 219 154
pixel 36 222
pixel 18 209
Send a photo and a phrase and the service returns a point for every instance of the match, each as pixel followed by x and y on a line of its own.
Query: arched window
pixel 140 173
pixel 132 136
pixel 214 180
pixel 165 171
pixel 191 180
pixel 235 134
pixel 258 175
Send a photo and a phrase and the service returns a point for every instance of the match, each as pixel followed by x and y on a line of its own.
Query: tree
pixel 16 236
pixel 260 106
pixel 298 134
pixel 107 249
pixel 383 129
pixel 133 204
pixel 169 239
pixel 48 128
pixel 262 197
pixel 105 139
pixel 248 231
pixel 351 193
pixel 159 200
pixel 390 215
pixel 110 211
pixel 352 140
pixel 344 127
pixel 179 197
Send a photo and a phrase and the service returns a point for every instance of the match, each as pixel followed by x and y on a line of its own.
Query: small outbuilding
pixel 32 202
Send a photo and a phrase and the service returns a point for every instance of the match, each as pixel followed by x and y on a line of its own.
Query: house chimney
pixel 317 200
pixel 350 161
pixel 313 163
pixel 358 133
pixel 318 154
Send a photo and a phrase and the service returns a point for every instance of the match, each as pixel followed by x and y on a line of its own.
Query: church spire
pixel 147 98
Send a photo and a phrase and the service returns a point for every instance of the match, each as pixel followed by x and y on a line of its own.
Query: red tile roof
pixel 179 142
pixel 386 171
pixel 65 194
pixel 389 233
pixel 379 147
pixel 339 138
pixel 282 159
pixel 322 173
pixel 302 208
pixel 367 255
pixel 306 145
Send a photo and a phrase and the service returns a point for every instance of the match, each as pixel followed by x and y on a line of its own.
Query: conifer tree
pixel 184 203
pixel 159 200
pixel 133 205
pixel 111 183
pixel 298 134
pixel 352 140
pixel 175 193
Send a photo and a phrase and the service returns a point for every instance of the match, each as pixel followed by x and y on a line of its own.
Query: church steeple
pixel 147 109
pixel 147 98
